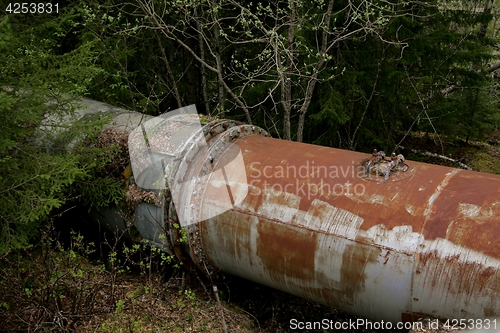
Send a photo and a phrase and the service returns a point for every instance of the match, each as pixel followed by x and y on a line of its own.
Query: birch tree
pixel 296 41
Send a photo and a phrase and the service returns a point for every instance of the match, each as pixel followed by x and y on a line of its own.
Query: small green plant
pixel 182 233
pixel 190 295
pixel 180 303
pixel 120 305
pixel 186 295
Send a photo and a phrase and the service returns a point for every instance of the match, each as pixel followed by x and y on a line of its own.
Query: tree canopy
pixel 350 74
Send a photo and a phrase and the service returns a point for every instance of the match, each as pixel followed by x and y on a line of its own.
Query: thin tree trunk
pixel 218 63
pixel 203 69
pixel 352 145
pixel 169 72
pixel 314 79
pixel 286 80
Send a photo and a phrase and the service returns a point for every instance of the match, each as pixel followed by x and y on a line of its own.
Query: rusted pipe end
pixel 178 154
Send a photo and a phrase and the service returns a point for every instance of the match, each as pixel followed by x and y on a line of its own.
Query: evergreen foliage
pixel 394 88
pixel 39 80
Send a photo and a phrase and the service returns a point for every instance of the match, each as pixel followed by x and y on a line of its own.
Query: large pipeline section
pixel 307 220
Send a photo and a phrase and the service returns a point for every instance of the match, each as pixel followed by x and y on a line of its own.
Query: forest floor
pixel 76 295
pixel 482 156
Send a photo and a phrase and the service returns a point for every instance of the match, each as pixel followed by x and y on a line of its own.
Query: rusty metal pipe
pixel 306 220
pixel 422 243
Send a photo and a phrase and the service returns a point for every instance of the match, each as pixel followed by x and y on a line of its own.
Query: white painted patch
pixel 280 205
pixel 477 213
pixel 445 286
pixel 469 210
pixel 377 199
pixel 401 239
pixel 333 220
pixel 372 199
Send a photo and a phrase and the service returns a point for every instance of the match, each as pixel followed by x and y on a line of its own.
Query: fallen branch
pixel 428 153
pixel 224 327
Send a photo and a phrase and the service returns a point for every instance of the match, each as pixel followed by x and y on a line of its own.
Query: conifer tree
pixel 39 79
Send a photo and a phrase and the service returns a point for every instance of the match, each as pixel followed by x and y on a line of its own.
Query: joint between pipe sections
pixel 184 166
pixel 217 135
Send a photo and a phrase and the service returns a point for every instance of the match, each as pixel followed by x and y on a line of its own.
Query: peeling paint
pixel 438 190
pixel 409 208
pixel 469 210
pixel 377 199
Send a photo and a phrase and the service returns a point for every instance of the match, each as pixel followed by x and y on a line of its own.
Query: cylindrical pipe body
pixel 423 243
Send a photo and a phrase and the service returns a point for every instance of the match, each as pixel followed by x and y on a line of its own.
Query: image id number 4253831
pixel 32 8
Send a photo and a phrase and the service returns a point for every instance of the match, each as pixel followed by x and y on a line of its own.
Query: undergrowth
pixel 52 288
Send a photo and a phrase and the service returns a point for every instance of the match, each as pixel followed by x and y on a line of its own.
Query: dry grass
pixel 51 288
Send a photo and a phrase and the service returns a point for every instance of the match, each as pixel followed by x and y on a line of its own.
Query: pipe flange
pixel 185 177
pixel 220 136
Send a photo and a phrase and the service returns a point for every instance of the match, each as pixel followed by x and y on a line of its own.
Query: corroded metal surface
pixel 306 220
pixel 314 226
